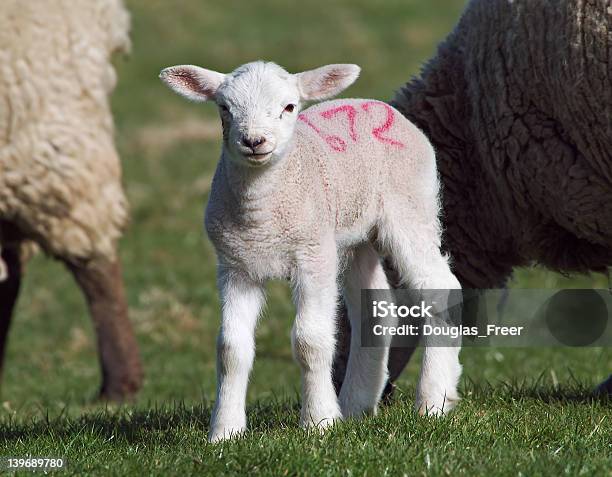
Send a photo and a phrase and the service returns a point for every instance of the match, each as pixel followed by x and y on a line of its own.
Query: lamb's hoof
pixel 436 407
pixel 218 434
pixel 356 408
pixel 605 388
pixel 320 426
pixel 357 412
pixel 320 422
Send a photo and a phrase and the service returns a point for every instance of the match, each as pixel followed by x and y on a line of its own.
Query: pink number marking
pixel 377 132
pixel 350 114
pixel 335 142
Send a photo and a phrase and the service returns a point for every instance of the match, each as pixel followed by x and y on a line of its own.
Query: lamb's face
pixel 258 102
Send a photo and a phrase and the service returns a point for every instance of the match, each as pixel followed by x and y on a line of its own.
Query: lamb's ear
pixel 326 81
pixel 193 82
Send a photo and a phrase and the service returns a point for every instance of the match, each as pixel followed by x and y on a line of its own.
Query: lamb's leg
pixel 9 291
pixel 423 267
pixel 366 374
pixel 241 300
pixel 313 337
pixel 102 284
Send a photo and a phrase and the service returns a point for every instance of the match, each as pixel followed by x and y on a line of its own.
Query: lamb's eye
pixel 289 108
pixel 224 108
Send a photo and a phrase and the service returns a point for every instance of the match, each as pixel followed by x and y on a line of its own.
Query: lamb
pixel 301 196
pixel 60 176
pixel 518 104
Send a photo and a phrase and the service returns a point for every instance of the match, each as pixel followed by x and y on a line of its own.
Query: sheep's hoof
pixel 117 396
pixel 121 390
pixel 388 392
pixel 605 388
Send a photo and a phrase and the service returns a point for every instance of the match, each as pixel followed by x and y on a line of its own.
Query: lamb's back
pixel 366 149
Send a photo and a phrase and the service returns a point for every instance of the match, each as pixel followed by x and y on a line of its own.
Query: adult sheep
pixel 60 183
pixel 518 105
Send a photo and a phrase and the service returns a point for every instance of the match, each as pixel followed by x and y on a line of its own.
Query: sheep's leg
pixel 343 347
pixel 102 284
pixel 313 337
pixel 9 291
pixel 242 300
pixel 399 356
pixel 423 267
pixel 366 374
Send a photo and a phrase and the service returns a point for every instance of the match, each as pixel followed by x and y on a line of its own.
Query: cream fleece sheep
pixel 60 176
pixel 59 172
pixel 296 195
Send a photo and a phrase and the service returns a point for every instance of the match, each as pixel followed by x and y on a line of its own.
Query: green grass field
pixel 524 412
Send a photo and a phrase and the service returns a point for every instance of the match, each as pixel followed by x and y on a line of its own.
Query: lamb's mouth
pixel 258 158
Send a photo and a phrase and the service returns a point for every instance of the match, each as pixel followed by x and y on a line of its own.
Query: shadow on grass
pixel 133 425
pixel 538 390
pixel 165 424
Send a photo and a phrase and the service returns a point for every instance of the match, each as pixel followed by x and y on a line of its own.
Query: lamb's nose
pixel 253 143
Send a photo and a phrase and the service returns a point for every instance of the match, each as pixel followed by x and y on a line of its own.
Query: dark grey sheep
pixel 518 105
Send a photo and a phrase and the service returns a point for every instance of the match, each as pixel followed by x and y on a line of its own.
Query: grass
pixel 525 411
pixel 504 429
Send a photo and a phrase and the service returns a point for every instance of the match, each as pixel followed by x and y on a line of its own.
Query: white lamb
pixel 303 196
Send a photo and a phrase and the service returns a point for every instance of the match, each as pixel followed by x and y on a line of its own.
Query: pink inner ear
pixel 186 79
pixel 330 81
pixel 318 84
